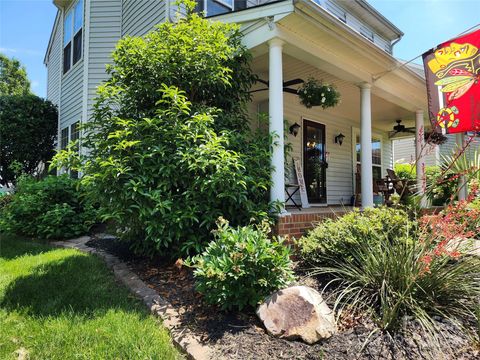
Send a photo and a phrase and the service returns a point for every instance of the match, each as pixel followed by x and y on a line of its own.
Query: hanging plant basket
pixel 317 93
pixel 435 138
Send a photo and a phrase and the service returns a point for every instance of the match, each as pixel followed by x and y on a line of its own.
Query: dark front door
pixel 314 161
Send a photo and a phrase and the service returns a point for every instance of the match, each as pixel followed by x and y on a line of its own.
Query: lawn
pixel 63 304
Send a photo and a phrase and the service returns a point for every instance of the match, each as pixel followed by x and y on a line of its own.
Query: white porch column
pixel 275 109
pixel 366 145
pixel 462 181
pixel 420 156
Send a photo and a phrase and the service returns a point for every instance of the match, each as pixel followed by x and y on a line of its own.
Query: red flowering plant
pixel 450 232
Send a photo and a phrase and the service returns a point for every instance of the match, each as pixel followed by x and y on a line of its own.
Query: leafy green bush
pixel 171 149
pixel 241 267
pixel 441 185
pixel 405 171
pixel 5 199
pixel 48 208
pixel 333 238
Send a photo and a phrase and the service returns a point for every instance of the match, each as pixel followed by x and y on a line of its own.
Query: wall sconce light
pixel 294 129
pixel 339 139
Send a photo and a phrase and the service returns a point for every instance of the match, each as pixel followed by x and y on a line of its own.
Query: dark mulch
pixel 241 335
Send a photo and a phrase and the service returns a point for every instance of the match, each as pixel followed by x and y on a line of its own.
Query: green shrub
pixel 5 199
pixel 241 267
pixel 405 171
pixel 441 185
pixel 333 238
pixel 48 208
pixel 170 147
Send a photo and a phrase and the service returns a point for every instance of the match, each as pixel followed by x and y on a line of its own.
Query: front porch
pixel 304 41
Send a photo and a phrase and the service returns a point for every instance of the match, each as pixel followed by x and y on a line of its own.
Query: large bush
pixel 48 208
pixel 241 267
pixel 171 149
pixel 333 238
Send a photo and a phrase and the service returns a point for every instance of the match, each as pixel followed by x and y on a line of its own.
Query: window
pixel 376 156
pixel 72 36
pixel 64 139
pixel 217 7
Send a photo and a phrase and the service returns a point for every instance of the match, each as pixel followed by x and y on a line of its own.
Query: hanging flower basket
pixel 435 138
pixel 317 93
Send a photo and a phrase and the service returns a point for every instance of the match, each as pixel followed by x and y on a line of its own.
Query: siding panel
pixel 105 31
pixel 139 17
pixel 54 66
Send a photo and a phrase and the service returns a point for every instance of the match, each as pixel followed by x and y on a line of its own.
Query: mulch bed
pixel 241 335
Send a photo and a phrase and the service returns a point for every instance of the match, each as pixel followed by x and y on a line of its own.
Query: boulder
pixel 297 312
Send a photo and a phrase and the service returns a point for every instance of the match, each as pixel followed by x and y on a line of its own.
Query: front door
pixel 314 162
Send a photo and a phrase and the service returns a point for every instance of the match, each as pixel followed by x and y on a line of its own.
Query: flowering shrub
pixel 450 232
pixel 242 266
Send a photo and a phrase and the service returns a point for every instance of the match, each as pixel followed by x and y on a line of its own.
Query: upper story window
pixel 217 7
pixel 72 36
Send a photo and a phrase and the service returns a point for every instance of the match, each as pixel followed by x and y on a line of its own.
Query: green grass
pixel 64 304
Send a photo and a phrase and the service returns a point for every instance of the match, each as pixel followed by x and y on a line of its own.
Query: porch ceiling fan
pixel 399 128
pixel 286 85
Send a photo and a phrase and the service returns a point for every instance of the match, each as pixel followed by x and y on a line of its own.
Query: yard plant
pixel 170 146
pixel 391 273
pixel 53 207
pixel 242 266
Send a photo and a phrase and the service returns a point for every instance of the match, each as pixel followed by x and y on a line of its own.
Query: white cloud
pixel 20 51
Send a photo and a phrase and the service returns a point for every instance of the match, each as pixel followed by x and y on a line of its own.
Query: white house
pixel 347 43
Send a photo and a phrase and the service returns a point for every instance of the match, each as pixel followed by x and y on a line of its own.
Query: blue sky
pixel 25 27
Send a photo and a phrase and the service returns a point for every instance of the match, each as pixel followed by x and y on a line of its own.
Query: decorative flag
pixel 452 71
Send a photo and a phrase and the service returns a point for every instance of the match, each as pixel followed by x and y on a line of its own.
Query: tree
pixel 170 147
pixel 28 127
pixel 13 77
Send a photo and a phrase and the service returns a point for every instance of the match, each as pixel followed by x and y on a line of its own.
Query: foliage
pixel 405 171
pixel 5 199
pixel 171 149
pixel 408 270
pixel 242 266
pixel 13 77
pixel 48 208
pixel 441 185
pixel 28 128
pixel 333 238
pixel 318 93
pixel 64 304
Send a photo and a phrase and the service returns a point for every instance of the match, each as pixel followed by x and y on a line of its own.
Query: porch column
pixel 462 182
pixel 420 157
pixel 275 109
pixel 366 145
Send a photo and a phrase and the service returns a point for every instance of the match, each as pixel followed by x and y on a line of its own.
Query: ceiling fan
pixel 286 85
pixel 399 128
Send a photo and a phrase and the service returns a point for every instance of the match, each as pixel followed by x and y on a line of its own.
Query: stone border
pixel 182 337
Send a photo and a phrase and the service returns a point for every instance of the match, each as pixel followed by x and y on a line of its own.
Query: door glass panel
pixel 314 164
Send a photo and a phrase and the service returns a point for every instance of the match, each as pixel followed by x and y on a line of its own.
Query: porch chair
pixel 400 186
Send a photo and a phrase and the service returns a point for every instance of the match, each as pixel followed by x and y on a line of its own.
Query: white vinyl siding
pixel 104 32
pixel 54 64
pixel 139 17
pixel 71 97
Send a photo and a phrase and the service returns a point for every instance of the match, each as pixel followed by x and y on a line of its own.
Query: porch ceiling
pixel 384 112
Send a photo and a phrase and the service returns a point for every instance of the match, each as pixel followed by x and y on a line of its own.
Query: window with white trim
pixel 72 36
pixel 217 7
pixel 376 155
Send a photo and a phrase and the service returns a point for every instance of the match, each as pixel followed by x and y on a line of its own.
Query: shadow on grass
pixel 12 246
pixel 75 284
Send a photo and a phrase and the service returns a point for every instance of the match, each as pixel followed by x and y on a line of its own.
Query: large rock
pixel 297 312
